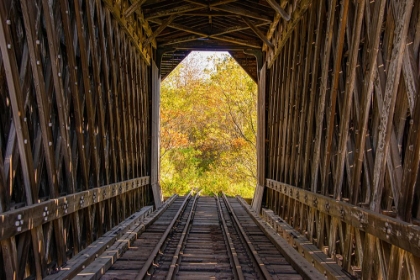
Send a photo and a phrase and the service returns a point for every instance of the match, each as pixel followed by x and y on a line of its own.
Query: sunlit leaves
pixel 208 128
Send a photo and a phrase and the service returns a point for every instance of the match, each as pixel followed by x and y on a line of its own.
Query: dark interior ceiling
pixel 242 27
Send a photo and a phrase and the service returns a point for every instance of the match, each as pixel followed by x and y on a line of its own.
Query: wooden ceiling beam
pixel 183 40
pixel 135 6
pixel 232 40
pixel 257 32
pixel 159 30
pixel 193 31
pixel 279 9
pixel 242 12
pixel 172 11
pixel 209 45
pixel 210 14
pixel 192 6
pixel 212 4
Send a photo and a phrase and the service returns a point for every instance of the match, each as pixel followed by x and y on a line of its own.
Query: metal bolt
pixel 8 22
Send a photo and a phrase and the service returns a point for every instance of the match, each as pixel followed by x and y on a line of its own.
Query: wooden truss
pixel 343 142
pixel 75 129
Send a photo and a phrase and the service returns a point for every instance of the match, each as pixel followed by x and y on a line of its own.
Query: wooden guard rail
pixel 335 225
pixel 26 218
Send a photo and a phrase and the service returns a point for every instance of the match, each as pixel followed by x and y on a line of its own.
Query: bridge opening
pixel 338 139
pixel 208 127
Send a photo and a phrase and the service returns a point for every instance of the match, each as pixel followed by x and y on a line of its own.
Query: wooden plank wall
pixel 343 122
pixel 74 129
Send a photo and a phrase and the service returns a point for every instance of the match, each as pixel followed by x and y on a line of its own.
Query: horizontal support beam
pixel 29 217
pixel 89 254
pixel 393 231
pixel 242 12
pixel 309 251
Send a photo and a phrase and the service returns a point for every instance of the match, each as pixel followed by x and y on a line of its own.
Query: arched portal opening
pixel 208 127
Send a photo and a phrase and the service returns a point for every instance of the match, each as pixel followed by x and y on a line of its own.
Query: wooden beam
pixel 98 92
pixel 68 38
pixel 309 251
pixel 261 134
pixel 155 149
pixel 33 216
pixel 392 81
pixel 45 115
pixel 159 29
pixel 106 68
pixel 88 94
pixel 134 35
pixel 316 157
pixel 309 59
pixel 17 105
pixel 113 66
pixel 211 4
pixel 89 254
pixel 287 31
pixel 367 92
pixel 257 32
pixel 135 6
pixel 330 116
pixel 388 229
pixel 279 9
pixel 173 10
pixel 53 40
pixel 23 138
pixel 242 12
pixel 200 33
pixel 232 40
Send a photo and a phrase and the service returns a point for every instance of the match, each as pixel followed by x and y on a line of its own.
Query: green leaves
pixel 208 128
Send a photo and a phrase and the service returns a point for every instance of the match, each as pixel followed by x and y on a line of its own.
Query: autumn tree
pixel 208 128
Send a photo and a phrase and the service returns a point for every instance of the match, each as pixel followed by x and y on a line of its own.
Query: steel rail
pixel 149 262
pixel 231 247
pixel 175 257
pixel 254 254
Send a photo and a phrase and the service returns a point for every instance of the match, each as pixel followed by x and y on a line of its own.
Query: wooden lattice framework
pixel 342 138
pixel 75 132
pixel 338 120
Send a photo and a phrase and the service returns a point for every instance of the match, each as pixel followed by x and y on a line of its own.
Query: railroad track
pixel 202 238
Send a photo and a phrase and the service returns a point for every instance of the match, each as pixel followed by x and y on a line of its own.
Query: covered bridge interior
pixel 338 121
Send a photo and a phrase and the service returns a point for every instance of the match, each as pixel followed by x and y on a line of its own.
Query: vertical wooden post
pixel 259 190
pixel 155 122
